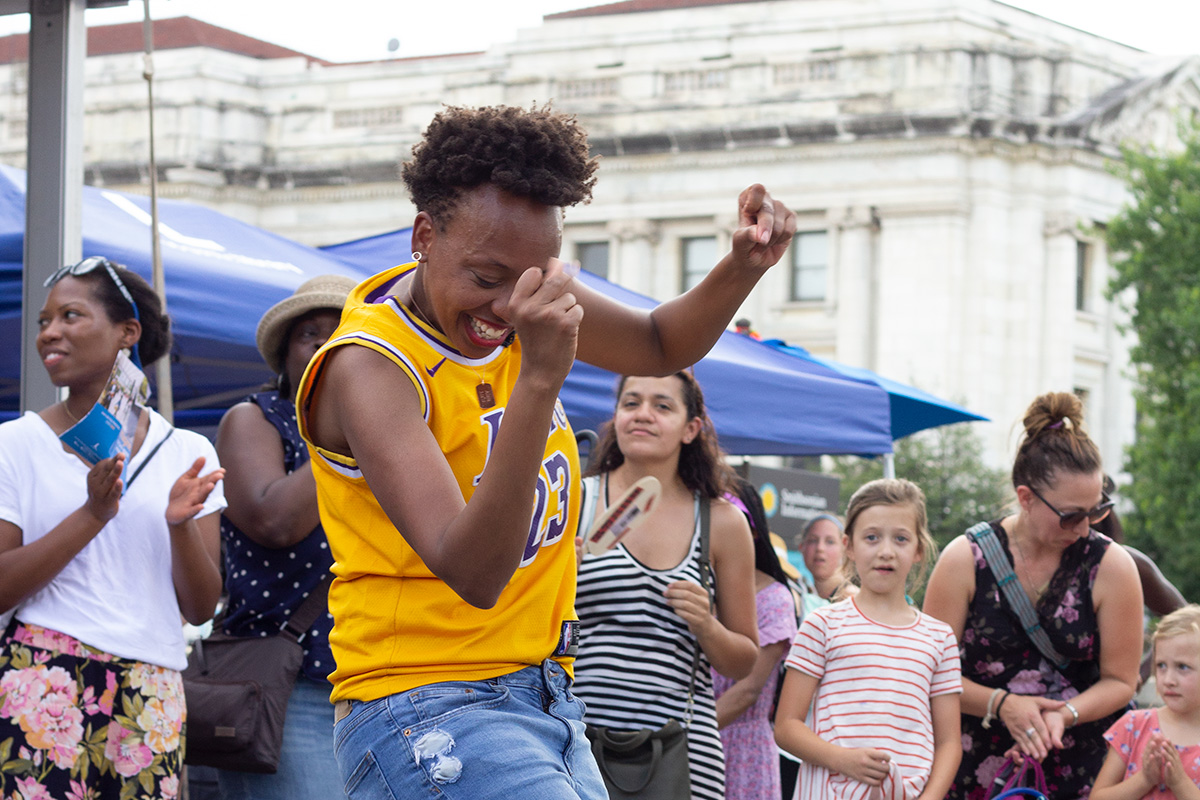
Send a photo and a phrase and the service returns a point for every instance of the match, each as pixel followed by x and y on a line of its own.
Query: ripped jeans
pixel 516 736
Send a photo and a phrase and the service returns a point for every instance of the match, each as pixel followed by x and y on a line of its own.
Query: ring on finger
pixel 1029 732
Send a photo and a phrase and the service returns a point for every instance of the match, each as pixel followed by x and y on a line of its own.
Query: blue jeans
pixel 516 736
pixel 307 769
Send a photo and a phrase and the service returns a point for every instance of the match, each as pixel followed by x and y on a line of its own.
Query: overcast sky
pixel 359 30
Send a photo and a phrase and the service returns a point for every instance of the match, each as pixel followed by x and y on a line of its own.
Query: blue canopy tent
pixel 221 275
pixel 911 408
pixel 762 401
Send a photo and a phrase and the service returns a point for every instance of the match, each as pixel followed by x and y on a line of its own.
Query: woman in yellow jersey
pixel 452 534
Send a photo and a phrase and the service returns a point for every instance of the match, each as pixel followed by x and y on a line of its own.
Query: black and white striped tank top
pixel 635 657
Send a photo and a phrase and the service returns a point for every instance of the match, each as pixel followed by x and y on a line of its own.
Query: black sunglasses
pixel 91 264
pixel 1069 519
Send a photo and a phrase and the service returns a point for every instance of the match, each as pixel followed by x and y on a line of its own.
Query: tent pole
pixel 162 369
pixel 889 465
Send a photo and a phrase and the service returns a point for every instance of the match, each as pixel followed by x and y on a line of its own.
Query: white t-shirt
pixel 117 594
pixel 876 682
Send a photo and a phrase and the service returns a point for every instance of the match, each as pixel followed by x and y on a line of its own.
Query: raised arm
pixel 679 332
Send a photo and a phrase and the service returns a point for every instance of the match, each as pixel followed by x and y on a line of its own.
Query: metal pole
pixel 889 465
pixel 162 369
pixel 54 183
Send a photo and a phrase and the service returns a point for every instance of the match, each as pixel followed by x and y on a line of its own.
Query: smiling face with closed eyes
pixel 473 262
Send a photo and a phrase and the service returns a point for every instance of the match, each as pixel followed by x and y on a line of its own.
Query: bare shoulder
pixel 241 420
pixel 727 521
pixel 1117 568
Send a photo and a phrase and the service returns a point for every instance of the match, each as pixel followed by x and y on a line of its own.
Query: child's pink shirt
pixel 1129 736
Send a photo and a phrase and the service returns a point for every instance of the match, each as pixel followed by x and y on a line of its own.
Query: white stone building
pixel 948 160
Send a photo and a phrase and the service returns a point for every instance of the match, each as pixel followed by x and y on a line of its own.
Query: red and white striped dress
pixel 876 682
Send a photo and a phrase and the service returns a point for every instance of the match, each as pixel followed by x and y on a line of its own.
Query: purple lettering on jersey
pixel 492 421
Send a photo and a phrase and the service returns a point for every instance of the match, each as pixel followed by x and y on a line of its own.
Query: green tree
pixel 1155 242
pixel 947 463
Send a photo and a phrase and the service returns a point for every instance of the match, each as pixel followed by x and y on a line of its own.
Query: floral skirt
pixel 77 723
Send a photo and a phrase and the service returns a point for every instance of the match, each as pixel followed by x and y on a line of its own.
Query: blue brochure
pixel 110 426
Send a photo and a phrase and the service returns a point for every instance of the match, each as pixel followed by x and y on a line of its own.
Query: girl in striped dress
pixel 642 609
pixel 871 698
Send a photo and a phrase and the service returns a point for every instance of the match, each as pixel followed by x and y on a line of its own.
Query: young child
pixel 881 677
pixel 1155 752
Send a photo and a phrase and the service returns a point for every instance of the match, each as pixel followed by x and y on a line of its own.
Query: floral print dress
pixel 77 723
pixel 997 653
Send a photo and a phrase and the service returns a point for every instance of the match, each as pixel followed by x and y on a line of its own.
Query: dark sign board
pixel 791 497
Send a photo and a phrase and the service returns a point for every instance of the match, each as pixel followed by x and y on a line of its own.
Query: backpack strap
pixel 589 501
pixel 704 512
pixel 983 535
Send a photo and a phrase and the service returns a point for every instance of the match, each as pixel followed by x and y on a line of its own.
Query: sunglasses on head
pixel 1069 519
pixel 91 264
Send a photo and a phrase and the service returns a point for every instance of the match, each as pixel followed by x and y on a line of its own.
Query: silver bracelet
pixel 1074 713
pixel 989 716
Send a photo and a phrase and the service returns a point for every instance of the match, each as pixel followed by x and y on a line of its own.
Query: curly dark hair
pixel 536 153
pixel 702 466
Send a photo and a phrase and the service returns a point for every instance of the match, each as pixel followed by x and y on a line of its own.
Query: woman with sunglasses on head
pixel 100 562
pixel 1053 706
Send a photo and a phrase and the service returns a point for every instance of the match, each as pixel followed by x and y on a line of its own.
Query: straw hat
pixel 323 291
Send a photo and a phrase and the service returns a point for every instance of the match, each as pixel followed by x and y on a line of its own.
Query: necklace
pixel 1038 591
pixel 67 408
pixel 483 392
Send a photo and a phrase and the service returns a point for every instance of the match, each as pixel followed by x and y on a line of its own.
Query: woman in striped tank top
pixel 882 679
pixel 642 608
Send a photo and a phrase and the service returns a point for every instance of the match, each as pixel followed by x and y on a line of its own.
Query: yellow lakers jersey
pixel 396 625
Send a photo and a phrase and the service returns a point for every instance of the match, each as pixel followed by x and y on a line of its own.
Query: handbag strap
pixel 983 535
pixel 146 460
pixel 313 606
pixel 705 566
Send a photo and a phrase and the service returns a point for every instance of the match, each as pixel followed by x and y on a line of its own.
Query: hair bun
pixel 1054 411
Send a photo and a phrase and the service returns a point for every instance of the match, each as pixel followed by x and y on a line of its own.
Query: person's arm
pixel 1160 594
pixel 745 693
pixel 27 568
pixel 195 544
pixel 948 597
pixel 1117 596
pixel 271 506
pixel 679 332
pixel 1111 783
pixel 862 764
pixel 947 745
pixel 474 547
pixel 730 637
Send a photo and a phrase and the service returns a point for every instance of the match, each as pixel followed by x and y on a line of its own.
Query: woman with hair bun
pixel 1085 595
pixel 100 561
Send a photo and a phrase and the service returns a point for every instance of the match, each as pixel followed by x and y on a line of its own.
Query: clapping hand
pixel 190 491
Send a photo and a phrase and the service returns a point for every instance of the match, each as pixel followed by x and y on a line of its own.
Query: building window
pixel 698 255
pixel 695 80
pixel 593 256
pixel 1083 268
pixel 587 87
pixel 810 265
pixel 378 117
